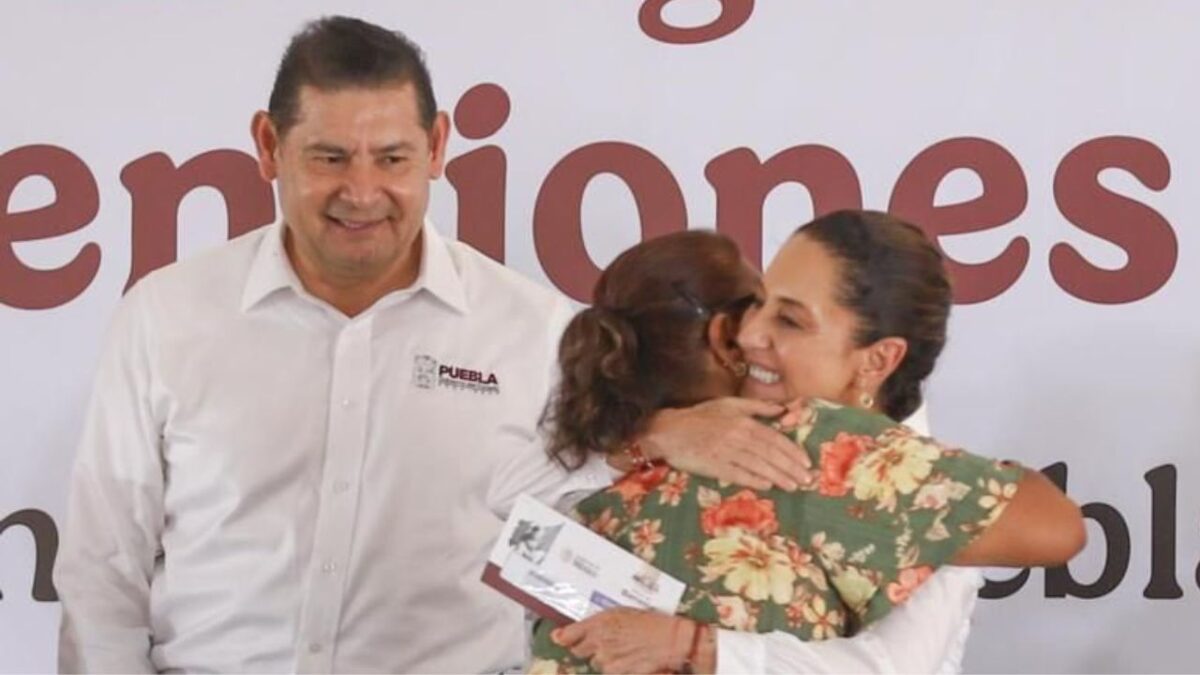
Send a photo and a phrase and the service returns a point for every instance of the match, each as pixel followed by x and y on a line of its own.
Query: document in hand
pixel 563 571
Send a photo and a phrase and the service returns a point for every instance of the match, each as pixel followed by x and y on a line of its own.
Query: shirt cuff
pixel 740 652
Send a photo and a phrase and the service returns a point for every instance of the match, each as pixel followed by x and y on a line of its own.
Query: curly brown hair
pixel 641 346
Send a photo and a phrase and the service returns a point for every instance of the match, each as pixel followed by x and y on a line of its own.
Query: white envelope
pixel 561 570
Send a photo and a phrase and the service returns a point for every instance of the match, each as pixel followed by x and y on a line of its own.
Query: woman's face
pixel 800 340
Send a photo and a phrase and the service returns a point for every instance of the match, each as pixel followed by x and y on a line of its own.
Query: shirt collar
pixel 271 270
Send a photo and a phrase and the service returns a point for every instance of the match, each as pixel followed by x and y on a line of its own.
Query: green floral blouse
pixel 888 507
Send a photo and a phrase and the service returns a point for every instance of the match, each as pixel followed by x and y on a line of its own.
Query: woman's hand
pixel 722 439
pixel 624 640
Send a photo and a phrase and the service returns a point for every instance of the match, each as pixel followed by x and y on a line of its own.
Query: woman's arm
pixel 1040 526
pixel 724 439
pixel 927 634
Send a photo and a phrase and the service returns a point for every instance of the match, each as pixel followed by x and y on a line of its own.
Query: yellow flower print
pixel 997 498
pixel 543 667
pixel 750 567
pixel 897 468
pixel 856 587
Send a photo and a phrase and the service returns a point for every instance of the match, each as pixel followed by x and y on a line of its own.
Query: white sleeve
pixel 526 468
pixel 927 634
pixel 115 510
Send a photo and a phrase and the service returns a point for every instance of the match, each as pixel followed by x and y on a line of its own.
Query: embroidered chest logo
pixel 428 373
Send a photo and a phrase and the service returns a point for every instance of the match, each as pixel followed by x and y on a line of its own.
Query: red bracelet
pixel 689 664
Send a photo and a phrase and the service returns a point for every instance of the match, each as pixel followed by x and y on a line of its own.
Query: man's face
pixel 353 178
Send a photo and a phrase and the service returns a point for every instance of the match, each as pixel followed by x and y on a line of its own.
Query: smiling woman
pixel 853 317
pixel 856 312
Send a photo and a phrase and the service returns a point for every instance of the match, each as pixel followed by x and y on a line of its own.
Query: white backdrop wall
pixel 1063 131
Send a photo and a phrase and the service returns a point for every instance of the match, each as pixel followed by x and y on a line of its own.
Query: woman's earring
pixel 738 368
pixel 866 401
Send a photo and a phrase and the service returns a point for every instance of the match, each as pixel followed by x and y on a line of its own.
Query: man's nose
pixel 362 184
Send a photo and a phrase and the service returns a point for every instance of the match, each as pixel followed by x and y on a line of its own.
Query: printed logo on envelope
pixel 533 541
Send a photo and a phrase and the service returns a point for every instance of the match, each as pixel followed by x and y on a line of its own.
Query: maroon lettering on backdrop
pixel 1003 198
pixel 1145 236
pixel 76 202
pixel 557 217
pixel 733 14
pixel 45 546
pixel 480 176
pixel 1162 585
pixel 742 184
pixel 157 187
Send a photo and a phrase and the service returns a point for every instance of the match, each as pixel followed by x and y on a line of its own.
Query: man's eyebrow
pixel 324 147
pixel 394 147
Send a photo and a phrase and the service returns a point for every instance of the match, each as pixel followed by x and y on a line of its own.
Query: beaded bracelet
pixel 633 450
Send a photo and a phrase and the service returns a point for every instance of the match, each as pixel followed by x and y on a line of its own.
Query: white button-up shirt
pixel 265 484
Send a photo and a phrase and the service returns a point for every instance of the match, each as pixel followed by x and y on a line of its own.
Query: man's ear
pixel 439 137
pixel 879 360
pixel 266 144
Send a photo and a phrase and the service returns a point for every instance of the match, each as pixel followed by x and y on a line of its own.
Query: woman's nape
pixel 661 332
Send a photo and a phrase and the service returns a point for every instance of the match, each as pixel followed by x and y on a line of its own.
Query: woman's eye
pixel 787 321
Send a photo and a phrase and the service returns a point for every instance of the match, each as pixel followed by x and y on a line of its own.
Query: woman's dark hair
pixel 640 346
pixel 895 282
pixel 338 52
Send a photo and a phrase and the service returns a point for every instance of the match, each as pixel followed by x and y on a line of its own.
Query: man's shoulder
pixel 492 284
pixel 217 273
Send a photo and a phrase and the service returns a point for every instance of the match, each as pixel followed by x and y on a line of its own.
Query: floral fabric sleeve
pixel 912 502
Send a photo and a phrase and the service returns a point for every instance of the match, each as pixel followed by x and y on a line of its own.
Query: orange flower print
pixel 909 580
pixel 636 484
pixel 743 510
pixel 671 490
pixel 733 612
pixel 605 524
pixel 837 456
pixel 804 565
pixel 826 621
pixel 645 536
pixel 798 419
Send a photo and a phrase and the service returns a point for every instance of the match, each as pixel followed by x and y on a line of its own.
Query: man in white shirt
pixel 301 444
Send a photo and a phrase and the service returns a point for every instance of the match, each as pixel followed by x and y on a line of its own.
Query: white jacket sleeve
pixel 115 512
pixel 927 634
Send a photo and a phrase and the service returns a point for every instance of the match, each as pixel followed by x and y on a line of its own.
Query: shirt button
pixel 314 647
pixel 340 486
pixel 328 567
pixel 346 403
